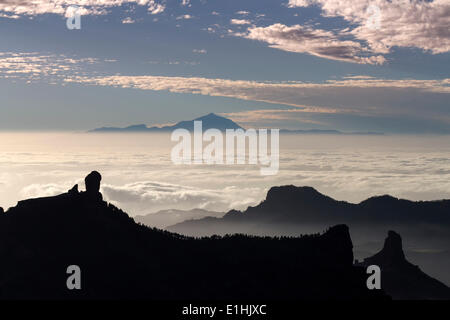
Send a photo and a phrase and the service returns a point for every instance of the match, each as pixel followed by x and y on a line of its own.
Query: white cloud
pixel 240 21
pixel 86 7
pixel 30 65
pixel 272 118
pixel 14 16
pixel 154 7
pixel 184 17
pixel 128 20
pixel 385 24
pixel 317 42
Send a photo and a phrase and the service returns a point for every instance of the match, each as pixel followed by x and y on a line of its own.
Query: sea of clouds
pixel 139 177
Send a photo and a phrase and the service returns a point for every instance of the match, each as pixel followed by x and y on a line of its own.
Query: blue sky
pixel 327 64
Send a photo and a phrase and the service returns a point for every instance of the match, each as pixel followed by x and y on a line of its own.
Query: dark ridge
pixel 302 205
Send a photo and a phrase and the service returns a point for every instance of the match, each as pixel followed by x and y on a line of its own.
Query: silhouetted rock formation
pixel 74 190
pixel 290 210
pixel 92 182
pixel 401 279
pixel 40 238
pixel 392 252
pixel 1 210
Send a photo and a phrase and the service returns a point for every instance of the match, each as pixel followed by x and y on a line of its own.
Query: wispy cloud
pixel 60 7
pixel 128 20
pixel 185 17
pixel 371 30
pixel 317 42
pixel 32 65
pixel 240 21
pixel 273 117
pixel 333 96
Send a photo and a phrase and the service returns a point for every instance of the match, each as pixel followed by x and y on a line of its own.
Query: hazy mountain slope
pixel 290 210
pixel 290 205
pixel 165 218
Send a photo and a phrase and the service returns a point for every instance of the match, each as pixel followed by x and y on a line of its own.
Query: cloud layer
pixel 139 176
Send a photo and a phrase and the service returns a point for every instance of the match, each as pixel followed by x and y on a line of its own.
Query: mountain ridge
pixel 214 121
pixel 302 204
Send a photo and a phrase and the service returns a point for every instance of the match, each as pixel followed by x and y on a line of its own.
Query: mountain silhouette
pixel 214 121
pixel 305 205
pixel 291 210
pixel 400 278
pixel 118 258
pixel 209 121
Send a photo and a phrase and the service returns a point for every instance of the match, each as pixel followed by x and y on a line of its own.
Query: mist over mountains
pixel 291 210
pixel 166 218
pixel 305 205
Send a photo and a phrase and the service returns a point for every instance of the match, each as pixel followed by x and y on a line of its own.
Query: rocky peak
pixel 293 193
pixel 393 247
pixel 392 252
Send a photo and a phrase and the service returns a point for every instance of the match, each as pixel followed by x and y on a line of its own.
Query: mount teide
pixel 209 121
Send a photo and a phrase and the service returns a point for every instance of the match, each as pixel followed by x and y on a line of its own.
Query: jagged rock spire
pixel 92 182
pixel 392 252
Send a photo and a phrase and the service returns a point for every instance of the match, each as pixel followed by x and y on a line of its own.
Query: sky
pixel 370 65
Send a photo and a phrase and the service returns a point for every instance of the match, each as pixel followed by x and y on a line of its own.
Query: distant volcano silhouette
pixel 209 121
